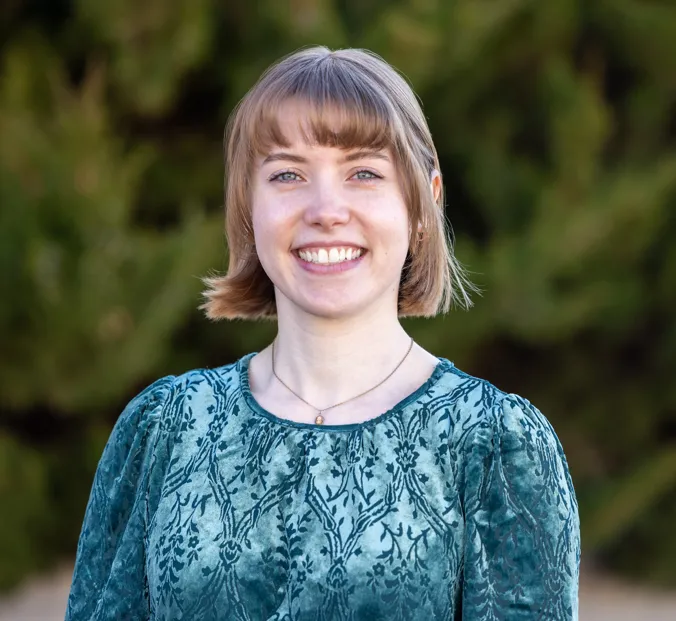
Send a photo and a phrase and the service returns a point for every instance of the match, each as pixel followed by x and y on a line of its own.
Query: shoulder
pixel 201 397
pixel 470 401
pixel 132 440
pixel 521 424
pixel 208 380
pixel 145 408
pixel 486 417
pixel 511 454
pixel 156 401
pixel 518 445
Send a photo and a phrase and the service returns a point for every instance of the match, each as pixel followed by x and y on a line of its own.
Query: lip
pixel 331 244
pixel 329 268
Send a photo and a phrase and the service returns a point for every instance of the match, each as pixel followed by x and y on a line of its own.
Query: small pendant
pixel 319 420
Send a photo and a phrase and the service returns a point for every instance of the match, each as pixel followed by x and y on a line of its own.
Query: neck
pixel 329 361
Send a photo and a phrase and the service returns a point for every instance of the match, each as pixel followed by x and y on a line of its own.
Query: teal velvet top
pixel 456 504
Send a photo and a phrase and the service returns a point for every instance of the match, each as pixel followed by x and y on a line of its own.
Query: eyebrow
pixel 282 155
pixel 350 157
pixel 366 154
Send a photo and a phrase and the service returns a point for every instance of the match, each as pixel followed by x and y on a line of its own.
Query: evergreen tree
pixel 555 127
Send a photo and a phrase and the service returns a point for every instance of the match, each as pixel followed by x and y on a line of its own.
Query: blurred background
pixel 556 128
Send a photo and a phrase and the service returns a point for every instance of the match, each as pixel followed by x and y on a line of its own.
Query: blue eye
pixel 286 176
pixel 289 176
pixel 369 175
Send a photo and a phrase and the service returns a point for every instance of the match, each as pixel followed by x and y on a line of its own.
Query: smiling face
pixel 331 225
pixel 319 106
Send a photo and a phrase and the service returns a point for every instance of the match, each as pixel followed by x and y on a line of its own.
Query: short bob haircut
pixel 354 99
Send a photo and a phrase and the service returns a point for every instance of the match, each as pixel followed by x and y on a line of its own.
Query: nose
pixel 327 206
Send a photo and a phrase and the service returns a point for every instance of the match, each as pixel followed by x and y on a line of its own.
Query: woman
pixel 343 472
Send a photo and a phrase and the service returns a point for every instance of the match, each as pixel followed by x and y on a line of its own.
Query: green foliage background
pixel 555 123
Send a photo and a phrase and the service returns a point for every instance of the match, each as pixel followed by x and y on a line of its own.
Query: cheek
pixel 391 223
pixel 273 232
pixel 267 218
pixel 260 221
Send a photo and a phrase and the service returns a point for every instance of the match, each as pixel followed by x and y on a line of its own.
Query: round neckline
pixel 442 366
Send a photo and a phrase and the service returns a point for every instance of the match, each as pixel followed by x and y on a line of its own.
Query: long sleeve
pixel 109 579
pixel 522 537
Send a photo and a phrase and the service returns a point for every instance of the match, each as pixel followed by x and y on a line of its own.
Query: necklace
pixel 319 420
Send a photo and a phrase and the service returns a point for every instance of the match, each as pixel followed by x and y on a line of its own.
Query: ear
pixel 435 185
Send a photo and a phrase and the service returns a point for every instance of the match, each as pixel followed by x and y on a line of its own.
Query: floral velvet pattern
pixel 455 505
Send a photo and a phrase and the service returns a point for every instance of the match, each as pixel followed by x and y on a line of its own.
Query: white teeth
pixel 325 256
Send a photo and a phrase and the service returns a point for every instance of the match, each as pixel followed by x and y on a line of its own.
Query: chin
pixel 331 309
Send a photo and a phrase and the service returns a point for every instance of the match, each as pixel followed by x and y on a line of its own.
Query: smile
pixel 328 256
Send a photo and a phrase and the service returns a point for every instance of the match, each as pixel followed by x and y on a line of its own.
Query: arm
pixel 109 580
pixel 522 546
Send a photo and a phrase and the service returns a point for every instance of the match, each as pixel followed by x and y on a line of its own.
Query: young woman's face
pixel 331 226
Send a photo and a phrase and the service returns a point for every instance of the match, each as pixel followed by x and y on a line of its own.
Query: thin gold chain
pixel 320 412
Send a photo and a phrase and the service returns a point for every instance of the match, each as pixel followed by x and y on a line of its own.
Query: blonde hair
pixel 377 109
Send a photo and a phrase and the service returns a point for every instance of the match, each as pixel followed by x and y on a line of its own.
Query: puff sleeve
pixel 109 578
pixel 522 531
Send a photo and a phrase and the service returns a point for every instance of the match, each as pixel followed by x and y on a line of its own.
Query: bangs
pixel 337 107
